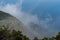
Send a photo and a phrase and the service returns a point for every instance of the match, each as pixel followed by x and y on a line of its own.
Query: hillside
pixel 14 23
pixel 30 31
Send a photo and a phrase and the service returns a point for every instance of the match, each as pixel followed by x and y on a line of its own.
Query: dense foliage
pixel 6 34
pixel 9 34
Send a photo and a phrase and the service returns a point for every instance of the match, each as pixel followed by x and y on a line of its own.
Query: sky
pixel 45 13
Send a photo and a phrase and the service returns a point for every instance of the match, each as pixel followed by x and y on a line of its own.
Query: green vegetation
pixel 9 34
pixel 6 34
pixel 35 38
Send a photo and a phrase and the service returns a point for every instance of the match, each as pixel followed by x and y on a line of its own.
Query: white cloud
pixel 26 18
pixel 9 8
pixel 15 10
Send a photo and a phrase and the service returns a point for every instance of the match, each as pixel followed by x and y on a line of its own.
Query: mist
pixel 33 11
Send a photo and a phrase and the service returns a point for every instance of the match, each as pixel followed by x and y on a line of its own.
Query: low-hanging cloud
pixel 26 17
pixel 15 11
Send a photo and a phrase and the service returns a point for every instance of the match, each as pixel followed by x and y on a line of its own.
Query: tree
pixel 26 38
pixel 45 38
pixel 58 36
pixel 35 38
pixel 53 38
pixel 6 34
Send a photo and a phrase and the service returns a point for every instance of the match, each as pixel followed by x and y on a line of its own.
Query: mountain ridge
pixel 4 15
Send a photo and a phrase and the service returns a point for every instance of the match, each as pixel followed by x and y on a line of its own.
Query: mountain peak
pixel 4 15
